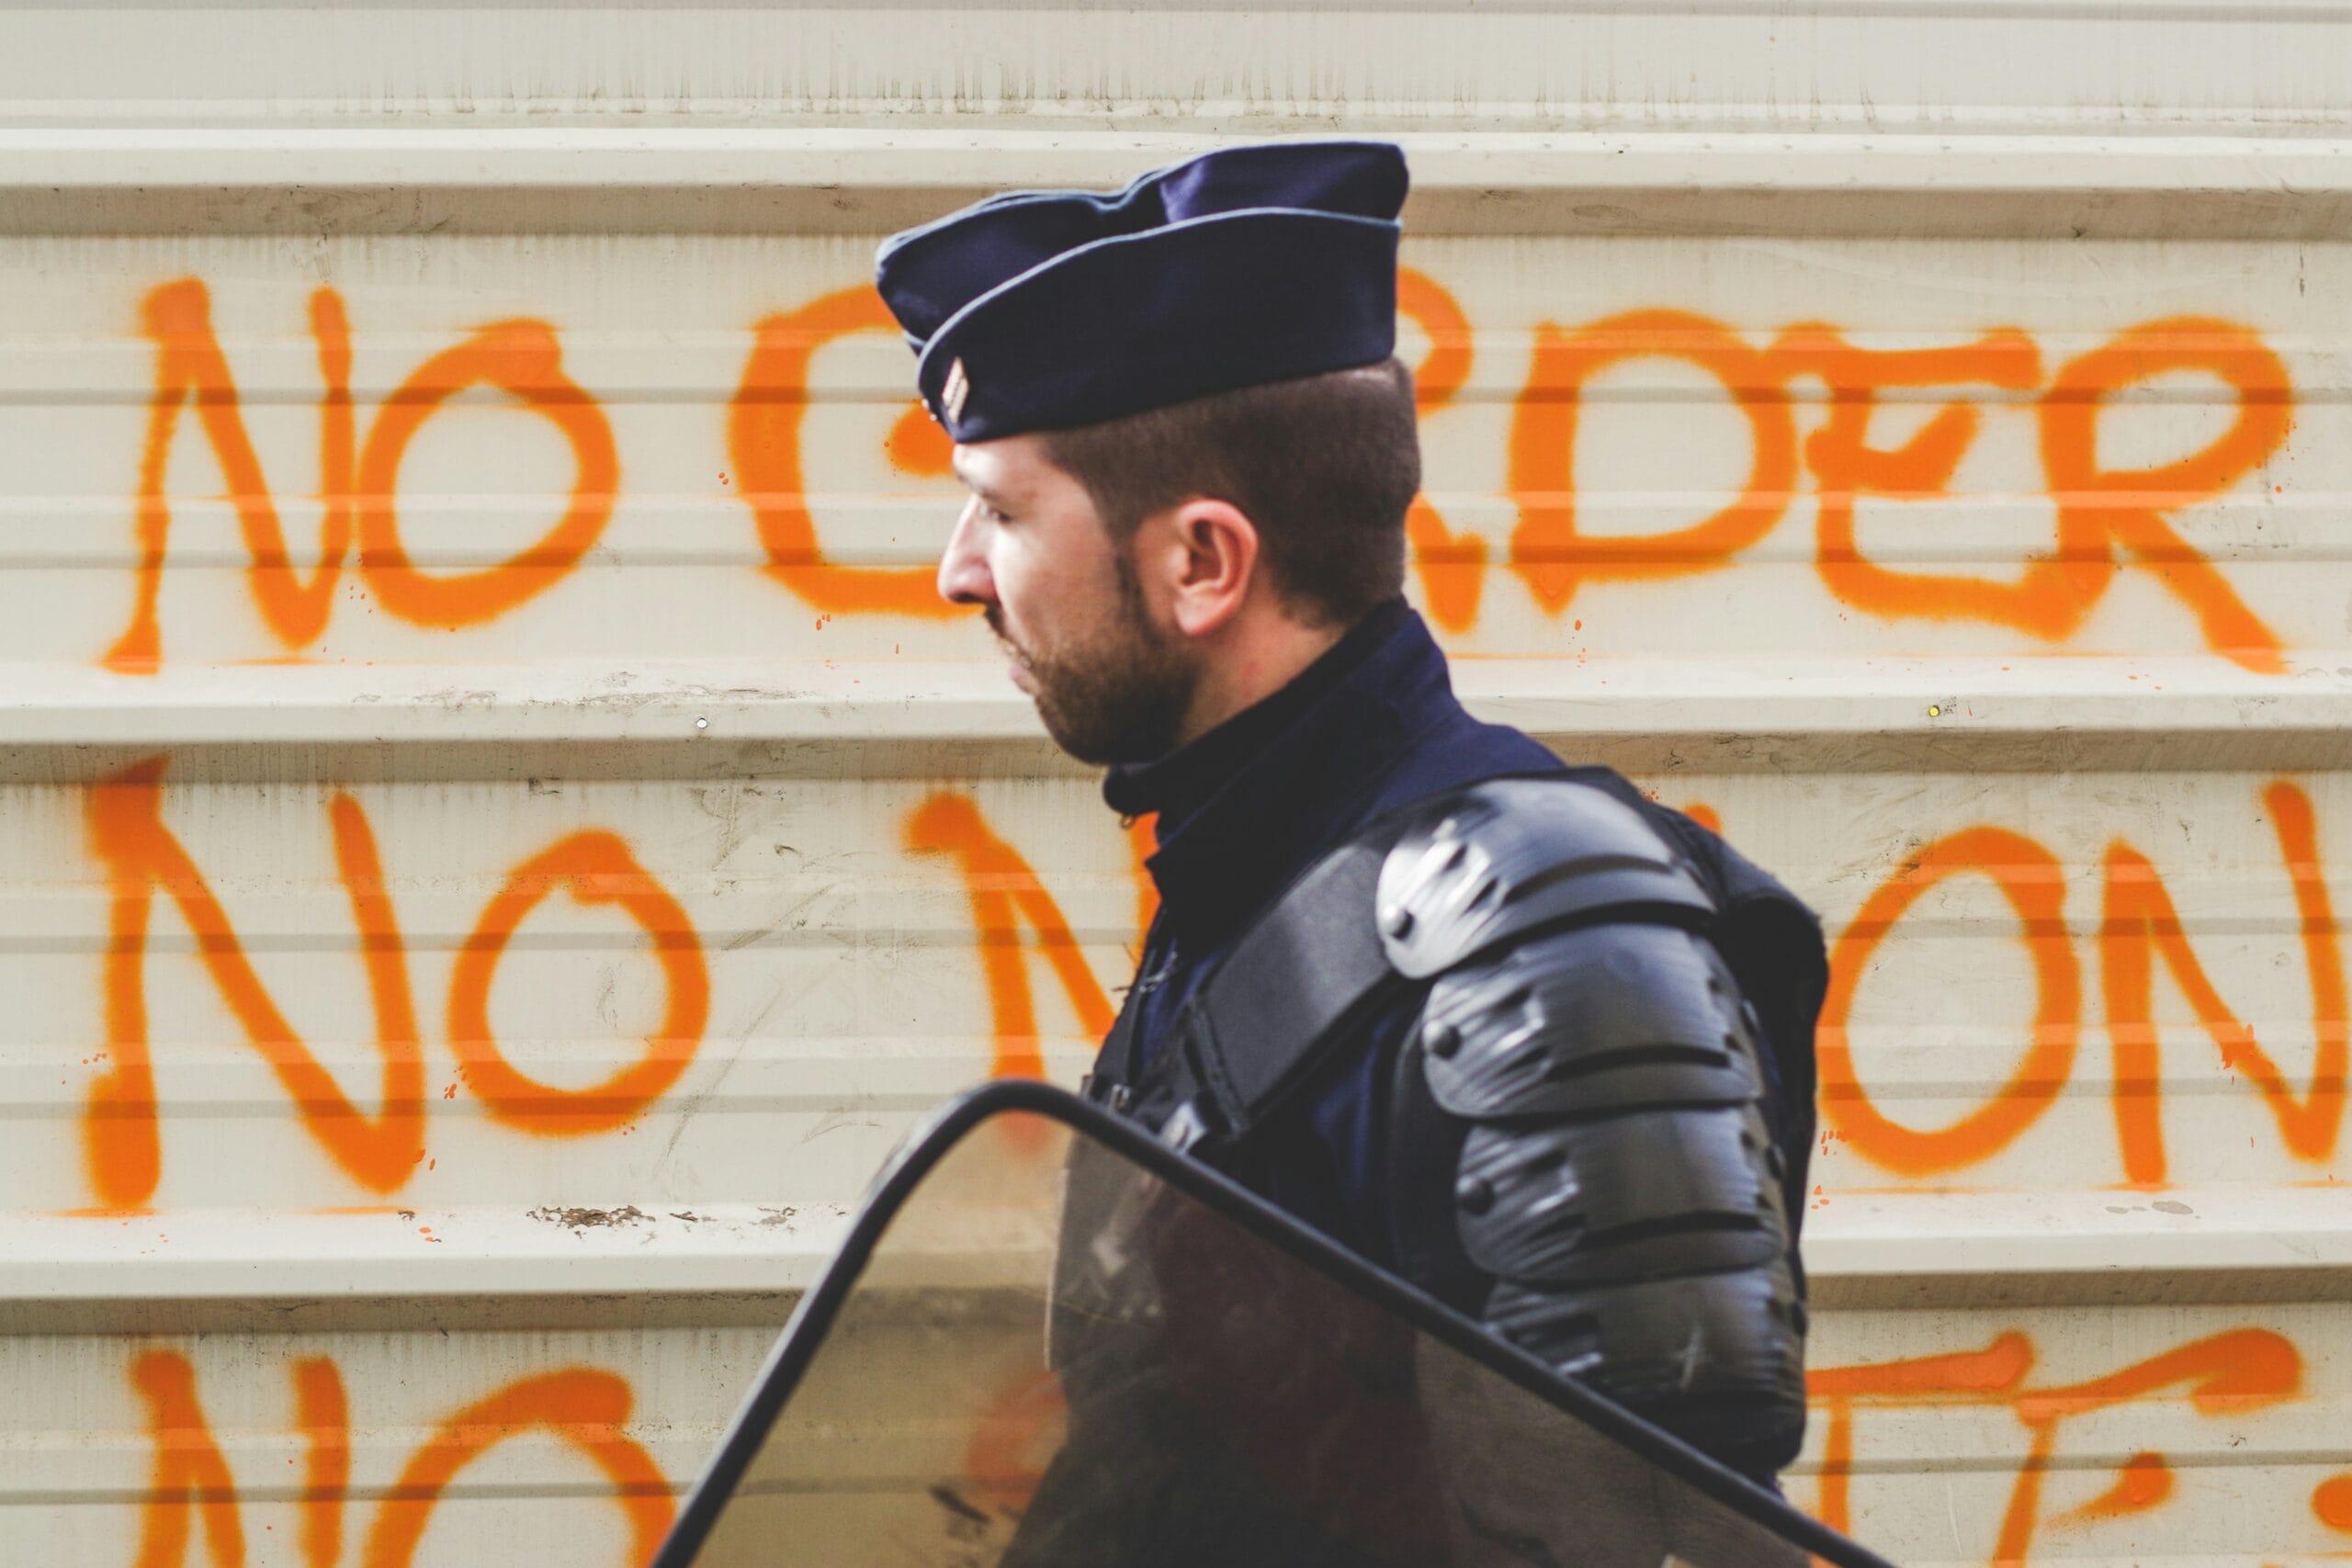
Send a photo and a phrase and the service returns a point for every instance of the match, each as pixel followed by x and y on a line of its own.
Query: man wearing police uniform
pixel 1505 1028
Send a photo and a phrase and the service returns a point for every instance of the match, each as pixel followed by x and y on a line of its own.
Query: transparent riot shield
pixel 1049 1343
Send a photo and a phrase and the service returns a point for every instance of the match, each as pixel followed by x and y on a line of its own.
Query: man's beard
pixel 1117 697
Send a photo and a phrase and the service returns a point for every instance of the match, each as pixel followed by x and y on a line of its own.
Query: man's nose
pixel 963 568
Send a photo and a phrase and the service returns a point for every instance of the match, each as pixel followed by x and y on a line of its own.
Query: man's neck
pixel 1259 660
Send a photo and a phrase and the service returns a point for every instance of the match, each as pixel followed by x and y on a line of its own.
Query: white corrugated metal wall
pixel 499 841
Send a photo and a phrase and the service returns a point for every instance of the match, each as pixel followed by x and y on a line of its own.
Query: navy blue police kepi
pixel 1047 310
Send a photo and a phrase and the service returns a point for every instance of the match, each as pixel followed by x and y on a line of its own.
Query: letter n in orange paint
pixel 120 1135
pixel 189 366
pixel 190 1474
pixel 1004 892
pixel 2140 923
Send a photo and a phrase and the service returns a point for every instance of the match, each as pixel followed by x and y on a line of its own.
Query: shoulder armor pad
pixel 1596 1018
pixel 1509 856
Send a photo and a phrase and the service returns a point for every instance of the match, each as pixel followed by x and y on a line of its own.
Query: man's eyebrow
pixel 988 493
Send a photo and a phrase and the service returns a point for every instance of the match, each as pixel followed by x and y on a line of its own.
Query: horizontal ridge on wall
pixel 844 718
pixel 659 180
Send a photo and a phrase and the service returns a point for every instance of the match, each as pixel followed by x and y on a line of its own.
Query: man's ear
pixel 1202 559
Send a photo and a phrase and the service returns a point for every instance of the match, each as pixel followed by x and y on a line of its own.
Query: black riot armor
pixel 1585 1093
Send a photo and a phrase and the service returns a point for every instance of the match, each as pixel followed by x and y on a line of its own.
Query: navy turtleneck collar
pixel 1244 807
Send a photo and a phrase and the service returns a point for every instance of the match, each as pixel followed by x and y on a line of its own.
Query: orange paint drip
pixel 120 1138
pixel 764 451
pixel 2146 1484
pixel 597 869
pixel 2030 877
pixel 2140 923
pixel 2332 1503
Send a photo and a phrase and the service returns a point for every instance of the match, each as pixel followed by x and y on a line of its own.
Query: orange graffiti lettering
pixel 2045 599
pixel 1003 891
pixel 582 1405
pixel 2332 1503
pixel 598 869
pixel 585 1407
pixel 120 1125
pixel 189 366
pixel 2238 1370
pixel 1453 566
pixel 1963 1376
pixel 2140 919
pixel 521 358
pixel 2128 505
pixel 119 1128
pixel 1547 549
pixel 2031 879
pixel 325 1413
pixel 189 1472
pixel 1001 1462
pixel 2144 1485
pixel 763 444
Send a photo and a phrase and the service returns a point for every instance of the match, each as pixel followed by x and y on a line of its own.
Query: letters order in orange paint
pixel 2139 925
pixel 120 1127
pixel 2098 508
pixel 520 357
pixel 763 445
pixel 585 1407
pixel 2236 1372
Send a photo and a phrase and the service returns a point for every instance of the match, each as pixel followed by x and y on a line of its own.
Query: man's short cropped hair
pixel 1326 466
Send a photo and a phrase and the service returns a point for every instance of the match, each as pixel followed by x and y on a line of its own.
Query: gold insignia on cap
pixel 953 392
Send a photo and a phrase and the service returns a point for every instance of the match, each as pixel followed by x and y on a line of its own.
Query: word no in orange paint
pixel 2139 925
pixel 120 1126
pixel 521 358
pixel 2242 1370
pixel 585 1407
